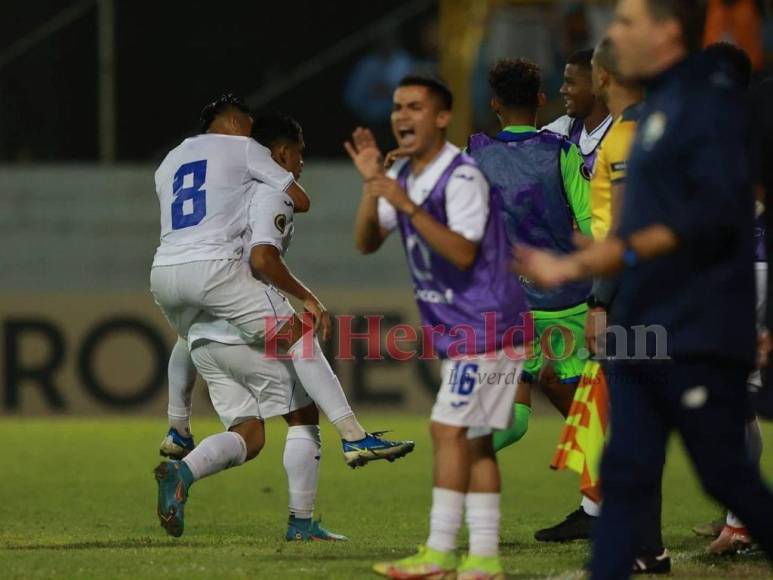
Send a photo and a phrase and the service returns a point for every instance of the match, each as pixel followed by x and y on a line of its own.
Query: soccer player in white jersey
pixel 203 186
pixel 247 385
pixel 587 118
pixel 439 202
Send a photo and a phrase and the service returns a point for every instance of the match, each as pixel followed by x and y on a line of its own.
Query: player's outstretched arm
pixel 603 258
pixel 267 263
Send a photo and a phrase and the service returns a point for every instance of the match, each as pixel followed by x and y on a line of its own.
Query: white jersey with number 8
pixel 204 187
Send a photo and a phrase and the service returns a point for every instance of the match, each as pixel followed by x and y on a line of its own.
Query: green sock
pixel 517 430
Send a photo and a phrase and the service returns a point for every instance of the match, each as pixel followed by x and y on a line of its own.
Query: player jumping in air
pixel 456 247
pixel 245 386
pixel 204 187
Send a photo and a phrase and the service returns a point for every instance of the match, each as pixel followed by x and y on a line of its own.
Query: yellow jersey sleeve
pixel 610 169
pixel 619 149
pixel 601 194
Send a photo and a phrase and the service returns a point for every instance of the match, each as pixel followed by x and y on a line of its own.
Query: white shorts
pixel 223 288
pixel 477 392
pixel 244 385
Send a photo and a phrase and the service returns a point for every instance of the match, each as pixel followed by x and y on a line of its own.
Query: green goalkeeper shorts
pixel 558 335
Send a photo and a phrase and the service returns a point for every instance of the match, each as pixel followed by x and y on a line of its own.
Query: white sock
pixel 301 460
pixel 733 521
pixel 182 376
pixel 216 453
pixel 445 519
pixel 349 428
pixel 483 523
pixel 590 507
pixel 323 387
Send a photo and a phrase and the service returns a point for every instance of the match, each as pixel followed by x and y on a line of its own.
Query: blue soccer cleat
pixel 308 530
pixel 373 447
pixel 173 478
pixel 175 446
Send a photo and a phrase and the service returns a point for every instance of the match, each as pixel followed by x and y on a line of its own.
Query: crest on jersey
pixel 654 127
pixel 280 221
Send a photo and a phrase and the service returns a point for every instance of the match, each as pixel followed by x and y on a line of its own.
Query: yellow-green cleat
pixel 480 568
pixel 427 564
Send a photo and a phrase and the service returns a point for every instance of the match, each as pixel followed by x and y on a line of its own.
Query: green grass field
pixel 77 500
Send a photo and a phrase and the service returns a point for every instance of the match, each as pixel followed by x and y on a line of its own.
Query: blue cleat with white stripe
pixel 373 447
pixel 175 446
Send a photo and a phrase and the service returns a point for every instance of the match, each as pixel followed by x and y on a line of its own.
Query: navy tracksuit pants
pixel 706 401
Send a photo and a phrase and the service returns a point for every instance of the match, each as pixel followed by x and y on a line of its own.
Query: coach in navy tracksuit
pixel 685 247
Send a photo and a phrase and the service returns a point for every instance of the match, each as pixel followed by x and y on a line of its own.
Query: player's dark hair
pixel 272 128
pixel 434 85
pixel 582 58
pixel 733 60
pixel 220 105
pixel 516 83
pixel 690 14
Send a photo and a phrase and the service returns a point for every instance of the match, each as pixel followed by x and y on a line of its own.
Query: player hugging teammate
pixel 220 192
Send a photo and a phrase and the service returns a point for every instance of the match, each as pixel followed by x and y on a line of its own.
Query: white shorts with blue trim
pixel 478 392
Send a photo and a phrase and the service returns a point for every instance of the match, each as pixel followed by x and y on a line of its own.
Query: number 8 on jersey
pixel 194 193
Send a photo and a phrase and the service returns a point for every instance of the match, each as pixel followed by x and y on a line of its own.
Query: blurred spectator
pixel 536 41
pixel 577 33
pixel 368 91
pixel 738 22
pixel 427 60
pixel 580 25
pixel 585 24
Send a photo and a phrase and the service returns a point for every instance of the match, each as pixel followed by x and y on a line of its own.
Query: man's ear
pixel 443 119
pixel 605 76
pixel 542 98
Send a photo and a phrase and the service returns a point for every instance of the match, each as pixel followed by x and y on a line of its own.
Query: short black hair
pixel 582 58
pixel 734 60
pixel 690 14
pixel 272 128
pixel 220 105
pixel 434 85
pixel 516 83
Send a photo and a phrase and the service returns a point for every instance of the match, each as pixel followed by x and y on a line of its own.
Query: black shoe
pixel 658 564
pixel 576 526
